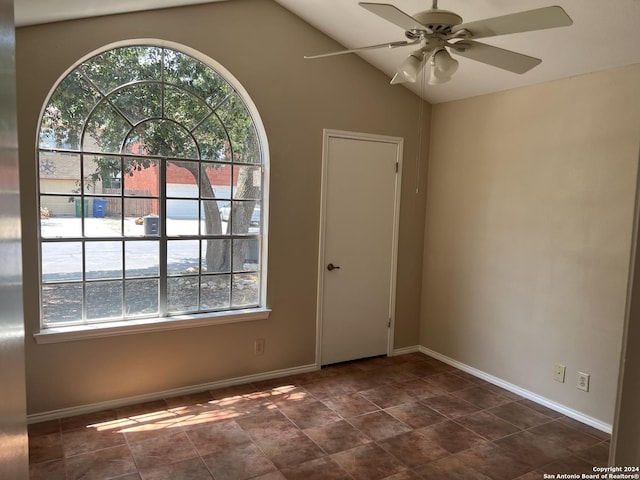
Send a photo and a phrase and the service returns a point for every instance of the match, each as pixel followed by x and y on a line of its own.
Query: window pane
pixel 141 177
pixel 161 138
pixel 183 256
pixel 215 217
pixel 66 113
pixel 182 295
pixel 244 139
pixel 245 291
pixel 61 303
pixel 246 218
pixel 141 297
pixel 100 227
pixel 246 255
pixel 141 217
pixel 103 174
pixel 123 65
pixel 216 256
pixel 104 300
pixel 103 260
pixel 219 177
pixel 105 130
pixel 184 108
pixel 139 102
pixel 183 179
pixel 61 261
pixel 59 172
pixel 142 259
pixel 248 183
pixel 196 77
pixel 182 217
pixel 59 217
pixel 213 140
pixel 215 292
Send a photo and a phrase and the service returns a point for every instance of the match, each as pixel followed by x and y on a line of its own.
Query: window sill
pixel 147 325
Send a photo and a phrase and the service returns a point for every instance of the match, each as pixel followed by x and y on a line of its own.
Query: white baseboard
pixel 122 402
pixel 405 350
pixel 569 412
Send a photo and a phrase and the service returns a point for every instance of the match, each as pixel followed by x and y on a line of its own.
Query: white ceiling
pixel 605 34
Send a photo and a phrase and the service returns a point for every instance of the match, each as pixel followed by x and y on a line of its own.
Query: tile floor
pixel 397 418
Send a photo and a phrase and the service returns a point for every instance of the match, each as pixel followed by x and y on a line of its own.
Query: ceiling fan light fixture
pixel 443 66
pixel 409 68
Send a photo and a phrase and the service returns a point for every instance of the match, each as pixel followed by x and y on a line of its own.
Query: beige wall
pixel 262 45
pixel 528 230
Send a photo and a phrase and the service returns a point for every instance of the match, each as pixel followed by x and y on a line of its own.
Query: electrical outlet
pixel 258 346
pixel 558 373
pixel 583 381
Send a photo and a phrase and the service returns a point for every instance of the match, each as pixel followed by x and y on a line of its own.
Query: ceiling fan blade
pixel 539 19
pixel 394 15
pixel 497 57
pixel 401 43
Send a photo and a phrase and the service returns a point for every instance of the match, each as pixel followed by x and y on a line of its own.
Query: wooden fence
pixel 135 205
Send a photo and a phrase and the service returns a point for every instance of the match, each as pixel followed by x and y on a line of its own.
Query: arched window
pixel 152 168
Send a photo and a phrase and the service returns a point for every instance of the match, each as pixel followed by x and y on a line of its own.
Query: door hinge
pixel 397 166
pixel 389 324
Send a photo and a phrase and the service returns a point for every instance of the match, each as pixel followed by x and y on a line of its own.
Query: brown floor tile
pixel 336 437
pixel 379 425
pixel 487 425
pixel 319 469
pixel 407 475
pixel 519 415
pixel 141 409
pixel 44 448
pixel 218 437
pixel 449 382
pixel 581 427
pixel 310 414
pixel 481 397
pixel 238 463
pixel 350 405
pixel 237 407
pixel 368 462
pixel 414 449
pixel 540 408
pixel 569 464
pixel 43 428
pixel 420 389
pixel 494 462
pixel 47 470
pixel 328 387
pixel 598 455
pixel 288 395
pixel 415 414
pixel 275 475
pixel 563 436
pixel 162 450
pixel 201 397
pixel 84 440
pixel 450 406
pixel 88 419
pixel 450 467
pixel 531 476
pixel 387 396
pixel 501 391
pixel 145 426
pixel 268 425
pixel 533 450
pixel 452 437
pixel 190 469
pixel 290 451
pixel 107 463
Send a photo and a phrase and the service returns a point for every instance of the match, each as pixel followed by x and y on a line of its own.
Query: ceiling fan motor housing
pixel 438 21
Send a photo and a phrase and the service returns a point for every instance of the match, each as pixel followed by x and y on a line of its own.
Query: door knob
pixel 331 266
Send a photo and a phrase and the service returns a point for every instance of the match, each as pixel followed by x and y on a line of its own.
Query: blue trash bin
pixel 99 207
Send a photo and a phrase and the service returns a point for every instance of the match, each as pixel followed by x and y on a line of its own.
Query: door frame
pixel 328 134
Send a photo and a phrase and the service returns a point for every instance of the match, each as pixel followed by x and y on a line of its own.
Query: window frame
pixel 90 329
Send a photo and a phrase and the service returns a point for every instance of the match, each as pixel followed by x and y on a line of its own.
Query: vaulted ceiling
pixel 603 35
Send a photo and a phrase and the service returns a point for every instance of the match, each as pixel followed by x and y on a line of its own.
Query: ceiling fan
pixel 434 31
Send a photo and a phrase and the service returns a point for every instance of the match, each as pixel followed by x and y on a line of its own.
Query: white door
pixel 360 201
